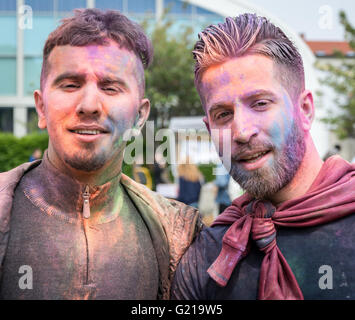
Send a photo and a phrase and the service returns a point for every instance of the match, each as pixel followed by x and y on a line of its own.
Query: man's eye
pixel 260 104
pixel 110 89
pixel 70 86
pixel 222 115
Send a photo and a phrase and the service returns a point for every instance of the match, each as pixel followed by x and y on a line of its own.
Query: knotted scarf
pixel 330 197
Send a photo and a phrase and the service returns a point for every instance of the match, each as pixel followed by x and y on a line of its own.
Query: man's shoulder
pixel 172 225
pixel 177 218
pixel 165 208
pixel 11 178
pixel 191 280
pixel 208 242
pixel 8 182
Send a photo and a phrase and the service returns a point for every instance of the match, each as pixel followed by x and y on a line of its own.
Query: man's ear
pixel 306 108
pixel 143 113
pixel 205 120
pixel 42 123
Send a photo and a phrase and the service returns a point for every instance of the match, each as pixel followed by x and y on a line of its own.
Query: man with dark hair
pixel 74 223
pixel 290 236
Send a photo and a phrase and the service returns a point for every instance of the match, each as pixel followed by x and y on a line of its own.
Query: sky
pixel 317 19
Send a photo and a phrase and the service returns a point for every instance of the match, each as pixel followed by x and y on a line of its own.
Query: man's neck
pixel 95 178
pixel 304 177
pixel 92 178
pixel 60 194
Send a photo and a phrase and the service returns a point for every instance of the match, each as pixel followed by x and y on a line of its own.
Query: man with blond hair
pixel 290 235
pixel 73 226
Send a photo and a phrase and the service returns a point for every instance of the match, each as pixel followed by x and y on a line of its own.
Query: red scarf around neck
pixel 330 197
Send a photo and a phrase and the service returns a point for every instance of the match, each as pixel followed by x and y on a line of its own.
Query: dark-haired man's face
pixel 90 97
pixel 253 113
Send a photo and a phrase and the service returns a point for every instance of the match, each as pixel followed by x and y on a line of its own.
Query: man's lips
pixel 88 133
pixel 253 160
pixel 88 130
pixel 251 155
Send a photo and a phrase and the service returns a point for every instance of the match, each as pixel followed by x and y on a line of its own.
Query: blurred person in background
pixel 190 180
pixel 142 175
pixel 222 183
pixel 36 155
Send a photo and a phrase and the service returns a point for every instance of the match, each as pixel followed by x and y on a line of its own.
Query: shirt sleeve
pixel 191 277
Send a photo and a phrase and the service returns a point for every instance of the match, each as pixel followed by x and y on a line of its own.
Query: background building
pixel 25 24
pixel 324 52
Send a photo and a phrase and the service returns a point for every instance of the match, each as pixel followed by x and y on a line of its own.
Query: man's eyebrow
pixel 81 76
pixel 245 97
pixel 218 105
pixel 68 75
pixel 257 93
pixel 111 80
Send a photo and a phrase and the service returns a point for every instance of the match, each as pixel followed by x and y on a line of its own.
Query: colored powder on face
pixel 224 79
pixel 276 135
pixel 280 133
pixel 93 51
pixel 287 114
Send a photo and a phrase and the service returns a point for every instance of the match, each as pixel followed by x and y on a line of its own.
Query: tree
pixel 342 79
pixel 170 78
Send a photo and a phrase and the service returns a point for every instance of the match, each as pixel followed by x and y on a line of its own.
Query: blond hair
pixel 249 34
pixel 189 171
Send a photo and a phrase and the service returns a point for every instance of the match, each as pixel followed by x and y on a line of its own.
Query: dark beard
pixel 264 182
pixel 86 161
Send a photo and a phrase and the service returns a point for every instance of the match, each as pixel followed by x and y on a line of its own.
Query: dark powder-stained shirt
pixel 322 259
pixel 111 258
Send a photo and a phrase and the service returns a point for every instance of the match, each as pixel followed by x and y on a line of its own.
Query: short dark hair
pixel 94 26
pixel 250 34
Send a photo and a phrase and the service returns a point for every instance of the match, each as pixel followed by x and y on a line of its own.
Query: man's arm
pixel 184 227
pixel 191 280
pixel 186 284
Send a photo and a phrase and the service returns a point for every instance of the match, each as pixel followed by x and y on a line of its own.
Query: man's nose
pixel 244 127
pixel 90 103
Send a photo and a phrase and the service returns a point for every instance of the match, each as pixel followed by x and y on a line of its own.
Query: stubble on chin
pixel 86 160
pixel 265 182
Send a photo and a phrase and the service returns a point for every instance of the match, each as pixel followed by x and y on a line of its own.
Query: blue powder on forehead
pixel 92 51
pixel 223 79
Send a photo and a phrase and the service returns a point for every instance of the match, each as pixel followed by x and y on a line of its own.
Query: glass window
pixel 32 74
pixel 109 4
pixel 202 21
pixel 205 17
pixel 8 78
pixel 200 10
pixel 35 38
pixel 141 6
pixel 8 5
pixel 69 5
pixel 6 119
pixel 40 5
pixel 55 5
pixel 8 38
pixel 176 6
